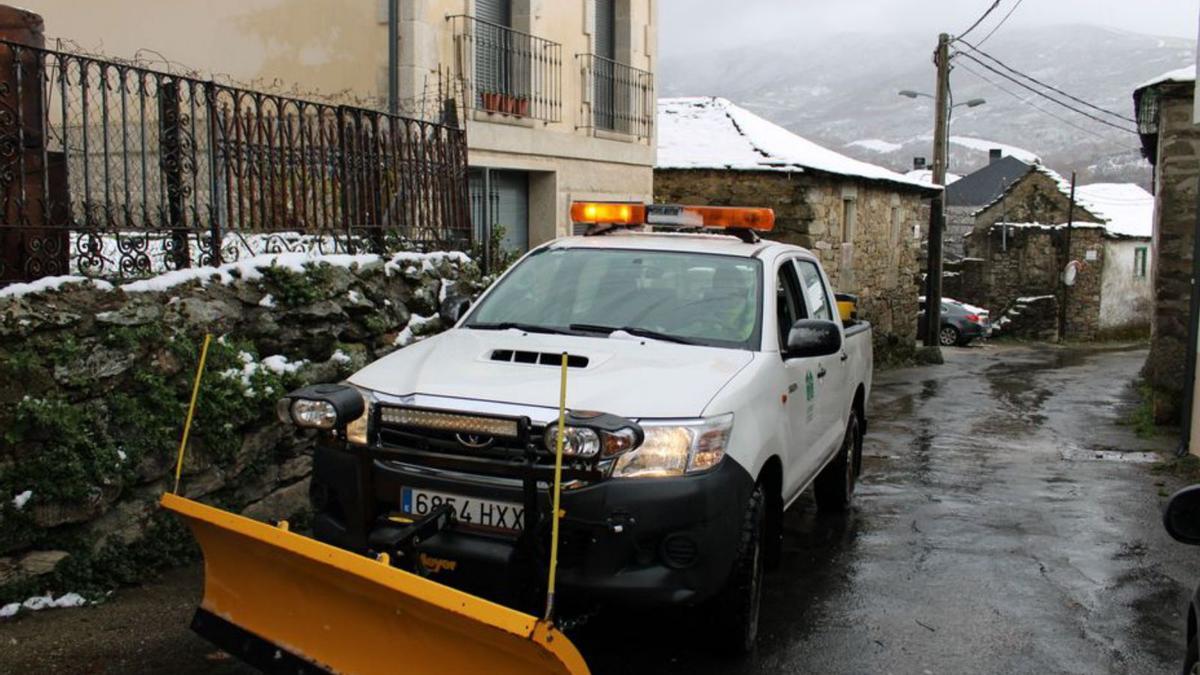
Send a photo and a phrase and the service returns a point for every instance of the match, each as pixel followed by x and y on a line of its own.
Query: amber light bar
pixel 674 215
pixel 440 421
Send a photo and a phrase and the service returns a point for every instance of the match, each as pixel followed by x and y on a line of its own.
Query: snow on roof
pixel 1185 74
pixel 1128 208
pixel 1005 150
pixel 1064 187
pixel 1045 226
pixel 926 176
pixel 714 133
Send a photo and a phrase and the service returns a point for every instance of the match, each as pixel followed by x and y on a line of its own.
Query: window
pixel 605 73
pixel 493 71
pixel 816 296
pixel 896 228
pixel 705 298
pixel 789 307
pixel 1139 262
pixel 849 214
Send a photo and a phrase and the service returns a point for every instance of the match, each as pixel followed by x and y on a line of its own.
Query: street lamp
pixel 973 103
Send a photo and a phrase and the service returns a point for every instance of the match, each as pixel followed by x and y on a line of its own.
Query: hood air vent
pixel 538 358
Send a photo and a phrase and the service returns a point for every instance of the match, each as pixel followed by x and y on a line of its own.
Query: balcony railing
pixel 616 97
pixel 508 72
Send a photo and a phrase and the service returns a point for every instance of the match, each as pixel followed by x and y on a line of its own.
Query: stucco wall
pixel 1126 300
pixel 880 265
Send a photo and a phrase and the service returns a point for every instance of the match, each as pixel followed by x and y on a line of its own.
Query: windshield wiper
pixel 527 327
pixel 633 330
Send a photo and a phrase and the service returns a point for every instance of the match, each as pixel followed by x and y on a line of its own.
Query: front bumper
pixel 645 542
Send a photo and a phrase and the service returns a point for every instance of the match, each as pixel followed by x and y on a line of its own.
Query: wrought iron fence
pixel 507 71
pixel 109 169
pixel 616 97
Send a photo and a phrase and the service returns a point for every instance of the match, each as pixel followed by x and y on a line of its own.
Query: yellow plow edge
pixel 347 613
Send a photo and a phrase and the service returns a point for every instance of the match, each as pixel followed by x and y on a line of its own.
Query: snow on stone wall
pixel 97 379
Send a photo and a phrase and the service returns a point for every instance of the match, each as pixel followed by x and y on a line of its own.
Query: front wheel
pixel 734 612
pixel 835 485
pixel 948 336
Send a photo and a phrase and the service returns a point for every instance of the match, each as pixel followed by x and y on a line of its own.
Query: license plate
pixel 472 510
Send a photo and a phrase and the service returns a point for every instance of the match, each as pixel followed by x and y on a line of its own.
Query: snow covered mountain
pixel 841 91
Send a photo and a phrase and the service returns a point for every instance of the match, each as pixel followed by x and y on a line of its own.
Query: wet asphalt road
pixel 1003 525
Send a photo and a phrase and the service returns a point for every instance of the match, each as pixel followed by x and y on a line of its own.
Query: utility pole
pixel 937 213
pixel 1062 310
pixel 393 19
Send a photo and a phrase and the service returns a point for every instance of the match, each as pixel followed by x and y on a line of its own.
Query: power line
pixel 1027 102
pixel 997 26
pixel 1045 95
pixel 981 18
pixel 1051 87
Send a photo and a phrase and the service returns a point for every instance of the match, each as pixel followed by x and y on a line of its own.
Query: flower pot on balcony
pixel 522 107
pixel 492 102
pixel 508 104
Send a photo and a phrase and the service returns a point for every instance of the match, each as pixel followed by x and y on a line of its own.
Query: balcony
pixel 507 72
pixel 616 97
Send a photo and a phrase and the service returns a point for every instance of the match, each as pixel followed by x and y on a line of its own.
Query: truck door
pixel 832 399
pixel 802 454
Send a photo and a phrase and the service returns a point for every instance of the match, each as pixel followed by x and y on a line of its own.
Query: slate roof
pixel 986 185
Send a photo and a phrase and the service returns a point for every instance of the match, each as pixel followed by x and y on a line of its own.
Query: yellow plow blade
pixel 337 611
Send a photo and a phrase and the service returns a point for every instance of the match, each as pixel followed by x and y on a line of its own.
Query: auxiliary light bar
pixel 673 215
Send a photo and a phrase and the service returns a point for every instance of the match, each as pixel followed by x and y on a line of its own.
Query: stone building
pixel 857 217
pixel 1171 142
pixel 558 97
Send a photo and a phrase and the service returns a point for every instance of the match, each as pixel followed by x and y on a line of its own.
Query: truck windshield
pixel 697 298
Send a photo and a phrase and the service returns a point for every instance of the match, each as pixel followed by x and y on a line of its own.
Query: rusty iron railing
pixel 506 71
pixel 110 169
pixel 616 97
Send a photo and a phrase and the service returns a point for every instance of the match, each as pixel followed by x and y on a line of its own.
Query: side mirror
pixel 453 308
pixel 1182 516
pixel 813 337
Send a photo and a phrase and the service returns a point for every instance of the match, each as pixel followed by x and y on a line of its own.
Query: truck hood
pixel 630 377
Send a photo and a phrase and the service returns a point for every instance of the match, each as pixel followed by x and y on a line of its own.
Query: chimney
pixel 918 163
pixel 994 154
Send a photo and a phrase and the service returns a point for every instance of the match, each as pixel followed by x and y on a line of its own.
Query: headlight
pixel 322 406
pixel 675 448
pixel 587 442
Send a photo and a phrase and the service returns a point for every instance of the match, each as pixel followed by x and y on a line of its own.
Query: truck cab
pixel 710 381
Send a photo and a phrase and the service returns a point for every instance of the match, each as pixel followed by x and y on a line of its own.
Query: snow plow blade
pixel 285 602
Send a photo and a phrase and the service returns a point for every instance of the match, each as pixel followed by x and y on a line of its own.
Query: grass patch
pixel 1142 417
pixel 1186 468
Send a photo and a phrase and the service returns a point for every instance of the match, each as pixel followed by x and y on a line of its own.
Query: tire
pixel 1191 663
pixel 948 336
pixel 734 612
pixel 834 486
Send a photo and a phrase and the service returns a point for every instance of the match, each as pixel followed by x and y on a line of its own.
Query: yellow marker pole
pixel 187 424
pixel 558 453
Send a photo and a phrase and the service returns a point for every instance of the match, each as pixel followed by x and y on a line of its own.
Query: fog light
pixel 679 550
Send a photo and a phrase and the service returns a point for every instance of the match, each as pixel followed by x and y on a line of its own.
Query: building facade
pixel 861 220
pixel 1171 142
pixel 557 97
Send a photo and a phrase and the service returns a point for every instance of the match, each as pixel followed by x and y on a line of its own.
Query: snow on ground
pixel 1128 208
pixel 714 133
pixel 985 146
pixel 341 357
pixel 40 602
pixel 926 176
pixel 876 145
pixel 278 364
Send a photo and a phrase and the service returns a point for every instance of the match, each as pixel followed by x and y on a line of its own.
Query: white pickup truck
pixel 711 382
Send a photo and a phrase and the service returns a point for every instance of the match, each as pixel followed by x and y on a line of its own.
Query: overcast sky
pixel 690 25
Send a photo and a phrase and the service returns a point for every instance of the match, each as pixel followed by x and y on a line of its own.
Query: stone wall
pixel 97 380
pixel 1036 198
pixel 1007 264
pixel 1176 174
pixel 881 263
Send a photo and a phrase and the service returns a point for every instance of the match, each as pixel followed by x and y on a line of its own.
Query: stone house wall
pixel 1177 171
pixel 1035 198
pixel 880 264
pixel 1027 262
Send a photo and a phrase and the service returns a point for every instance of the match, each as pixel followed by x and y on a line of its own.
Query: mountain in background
pixel 842 91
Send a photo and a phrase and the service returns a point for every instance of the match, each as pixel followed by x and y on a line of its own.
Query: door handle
pixel 845 356
pixel 820 371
